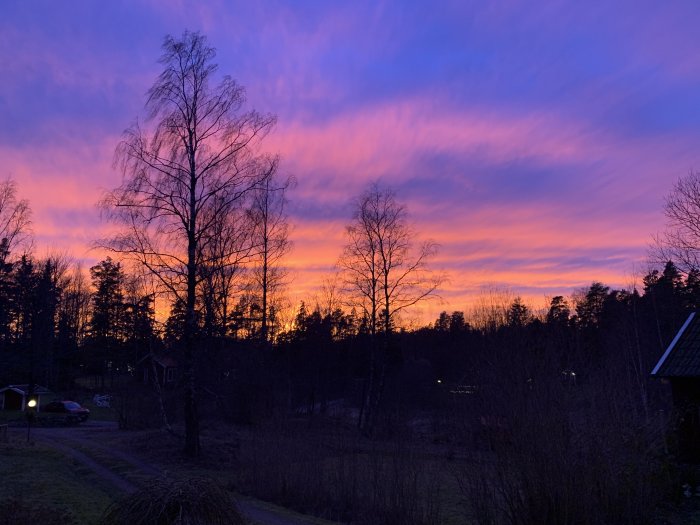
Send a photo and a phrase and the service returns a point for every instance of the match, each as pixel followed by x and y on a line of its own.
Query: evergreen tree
pixel 589 310
pixel 107 323
pixel 518 314
pixel 559 311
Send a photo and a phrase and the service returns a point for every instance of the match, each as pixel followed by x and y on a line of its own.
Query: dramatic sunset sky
pixel 534 141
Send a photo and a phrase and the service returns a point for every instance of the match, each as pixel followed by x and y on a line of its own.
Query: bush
pixel 197 501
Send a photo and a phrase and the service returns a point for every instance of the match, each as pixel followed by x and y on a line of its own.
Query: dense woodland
pixel 65 327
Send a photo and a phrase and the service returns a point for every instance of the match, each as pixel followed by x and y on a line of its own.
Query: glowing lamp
pixel 31 403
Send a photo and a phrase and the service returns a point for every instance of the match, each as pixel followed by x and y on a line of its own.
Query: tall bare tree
pixel 230 247
pixel 182 174
pixel 271 229
pixel 15 219
pixel 385 273
pixel 680 242
pixel 385 270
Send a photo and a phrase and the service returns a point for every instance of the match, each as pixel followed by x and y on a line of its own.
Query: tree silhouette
pixel 384 273
pixel 107 322
pixel 680 242
pixel 384 269
pixel 518 314
pixel 197 162
pixel 271 239
pixel 15 219
pixel 559 311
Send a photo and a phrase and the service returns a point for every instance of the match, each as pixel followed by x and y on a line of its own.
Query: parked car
pixel 72 411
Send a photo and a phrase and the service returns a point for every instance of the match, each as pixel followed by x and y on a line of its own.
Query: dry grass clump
pixel 197 501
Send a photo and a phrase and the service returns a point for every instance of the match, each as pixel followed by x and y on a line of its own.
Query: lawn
pixel 9 416
pixel 39 476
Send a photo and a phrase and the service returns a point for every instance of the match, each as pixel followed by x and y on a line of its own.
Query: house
pixel 680 365
pixel 164 368
pixel 15 397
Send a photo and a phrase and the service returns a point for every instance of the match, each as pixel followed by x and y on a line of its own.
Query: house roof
pixel 682 357
pixel 24 389
pixel 166 361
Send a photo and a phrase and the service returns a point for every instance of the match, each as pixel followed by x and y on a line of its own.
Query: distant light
pixel 439 380
pixel 31 403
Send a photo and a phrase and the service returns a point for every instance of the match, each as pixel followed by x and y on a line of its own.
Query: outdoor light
pixel 31 405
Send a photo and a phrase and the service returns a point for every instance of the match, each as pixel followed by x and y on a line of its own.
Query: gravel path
pixel 66 439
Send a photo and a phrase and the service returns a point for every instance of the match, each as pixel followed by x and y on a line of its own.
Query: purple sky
pixel 534 144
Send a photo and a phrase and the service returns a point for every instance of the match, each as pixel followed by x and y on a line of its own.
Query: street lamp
pixel 31 405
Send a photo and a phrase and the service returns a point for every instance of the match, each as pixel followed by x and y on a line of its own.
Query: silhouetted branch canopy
pixel 187 169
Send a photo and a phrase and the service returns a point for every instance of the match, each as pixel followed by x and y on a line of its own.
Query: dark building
pixel 680 365
pixel 162 368
pixel 15 397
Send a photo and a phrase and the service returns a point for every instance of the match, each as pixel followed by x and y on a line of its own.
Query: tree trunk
pixel 192 445
pixel 263 328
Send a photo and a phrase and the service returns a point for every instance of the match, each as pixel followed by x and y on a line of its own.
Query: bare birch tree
pixel 232 243
pixel 680 242
pixel 271 230
pixel 181 174
pixel 15 219
pixel 385 273
pixel 385 270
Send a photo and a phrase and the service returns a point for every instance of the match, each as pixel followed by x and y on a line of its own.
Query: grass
pixel 39 475
pixel 9 416
pixel 100 413
pixel 123 468
pixel 246 460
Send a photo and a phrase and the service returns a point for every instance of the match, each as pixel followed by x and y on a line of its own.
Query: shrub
pixel 197 501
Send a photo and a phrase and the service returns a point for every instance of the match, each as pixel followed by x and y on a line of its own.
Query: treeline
pixel 56 327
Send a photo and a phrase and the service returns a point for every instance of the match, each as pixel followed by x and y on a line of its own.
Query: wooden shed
pixel 15 397
pixel 163 368
pixel 680 365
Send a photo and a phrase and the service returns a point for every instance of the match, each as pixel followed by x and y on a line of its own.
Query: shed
pixel 15 397
pixel 161 367
pixel 680 365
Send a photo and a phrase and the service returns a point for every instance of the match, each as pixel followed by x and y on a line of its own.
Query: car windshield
pixel 71 405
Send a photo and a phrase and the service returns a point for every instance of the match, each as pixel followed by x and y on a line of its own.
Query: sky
pixel 533 141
